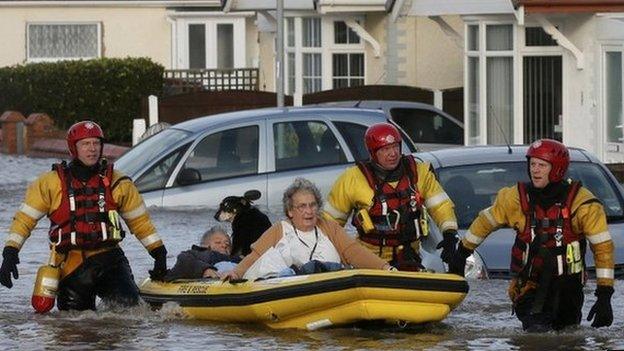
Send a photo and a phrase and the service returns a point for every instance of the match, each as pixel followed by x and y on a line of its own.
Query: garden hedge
pixel 107 90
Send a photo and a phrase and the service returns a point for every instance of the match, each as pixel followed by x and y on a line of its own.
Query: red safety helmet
pixel 82 130
pixel 553 152
pixel 379 135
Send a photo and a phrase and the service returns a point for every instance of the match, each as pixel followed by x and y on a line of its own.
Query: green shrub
pixel 107 90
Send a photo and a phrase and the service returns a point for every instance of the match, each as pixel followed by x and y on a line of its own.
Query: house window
pixel 490 82
pixel 225 45
pixel 312 55
pixel 536 36
pixel 473 38
pixel 290 32
pixel 348 70
pixel 58 41
pixel 311 32
pixel 291 80
pixel 197 46
pixel 321 54
pixel 474 127
pixel 613 96
pixel 210 43
pixel 312 73
pixel 224 40
pixel 344 35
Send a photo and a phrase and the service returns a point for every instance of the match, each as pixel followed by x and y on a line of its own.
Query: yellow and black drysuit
pixel 83 205
pixel 553 226
pixel 396 202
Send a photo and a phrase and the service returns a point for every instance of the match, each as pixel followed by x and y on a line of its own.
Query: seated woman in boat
pixel 303 237
pixel 213 254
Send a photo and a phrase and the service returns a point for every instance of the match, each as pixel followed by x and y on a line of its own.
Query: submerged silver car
pixel 472 177
pixel 201 161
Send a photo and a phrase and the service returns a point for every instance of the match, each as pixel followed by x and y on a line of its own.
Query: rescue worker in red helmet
pixel 391 197
pixel 554 220
pixel 84 201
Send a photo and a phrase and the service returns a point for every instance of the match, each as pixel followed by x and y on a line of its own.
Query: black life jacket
pixel 84 219
pixel 395 211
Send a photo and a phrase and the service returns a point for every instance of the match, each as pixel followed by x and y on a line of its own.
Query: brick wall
pixel 38 136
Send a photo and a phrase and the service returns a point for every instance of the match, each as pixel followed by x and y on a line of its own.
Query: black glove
pixel 448 245
pixel 602 308
pixel 160 263
pixel 457 265
pixel 10 260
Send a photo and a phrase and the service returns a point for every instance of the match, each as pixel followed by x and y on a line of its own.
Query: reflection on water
pixel 482 322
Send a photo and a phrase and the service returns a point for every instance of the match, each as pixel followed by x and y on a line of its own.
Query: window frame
pixel 201 139
pixel 262 156
pixel 181 59
pixel 349 77
pixel 344 159
pixel 182 150
pixel 518 52
pixel 66 23
pixel 483 55
pixel 611 146
pixel 327 49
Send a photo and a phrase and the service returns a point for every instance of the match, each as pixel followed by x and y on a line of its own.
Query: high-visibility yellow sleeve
pixel 42 196
pixel 437 202
pixel 505 211
pixel 132 209
pixel 350 192
pixel 590 219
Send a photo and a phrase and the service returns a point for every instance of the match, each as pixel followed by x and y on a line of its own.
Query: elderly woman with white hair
pixel 212 255
pixel 304 236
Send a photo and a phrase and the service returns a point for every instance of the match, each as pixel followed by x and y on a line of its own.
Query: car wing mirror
pixel 188 176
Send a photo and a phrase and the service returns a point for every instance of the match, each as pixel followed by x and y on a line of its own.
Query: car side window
pixel 156 177
pixel 425 126
pixel 593 178
pixel 302 144
pixel 225 154
pixel 353 134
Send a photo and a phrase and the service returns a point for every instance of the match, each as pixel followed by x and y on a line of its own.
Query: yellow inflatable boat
pixel 317 300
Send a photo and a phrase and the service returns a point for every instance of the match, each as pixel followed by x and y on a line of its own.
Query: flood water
pixel 482 322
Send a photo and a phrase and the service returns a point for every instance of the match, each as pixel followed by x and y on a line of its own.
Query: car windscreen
pixel 148 150
pixel 353 133
pixel 425 126
pixel 474 187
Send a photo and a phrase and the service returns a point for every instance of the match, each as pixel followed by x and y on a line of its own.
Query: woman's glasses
pixel 302 207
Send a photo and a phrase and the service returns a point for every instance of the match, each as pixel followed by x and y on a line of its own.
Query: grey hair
pixel 300 184
pixel 210 232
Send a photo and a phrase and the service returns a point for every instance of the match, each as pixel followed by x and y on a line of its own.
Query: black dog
pixel 248 223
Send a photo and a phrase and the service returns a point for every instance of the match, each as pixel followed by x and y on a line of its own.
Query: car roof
pixel 389 104
pixel 202 123
pixel 379 103
pixel 468 155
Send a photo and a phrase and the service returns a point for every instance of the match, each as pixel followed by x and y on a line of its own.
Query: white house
pixel 329 43
pixel 538 68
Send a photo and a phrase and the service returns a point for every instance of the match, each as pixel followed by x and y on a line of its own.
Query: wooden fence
pixel 198 101
pixel 179 81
